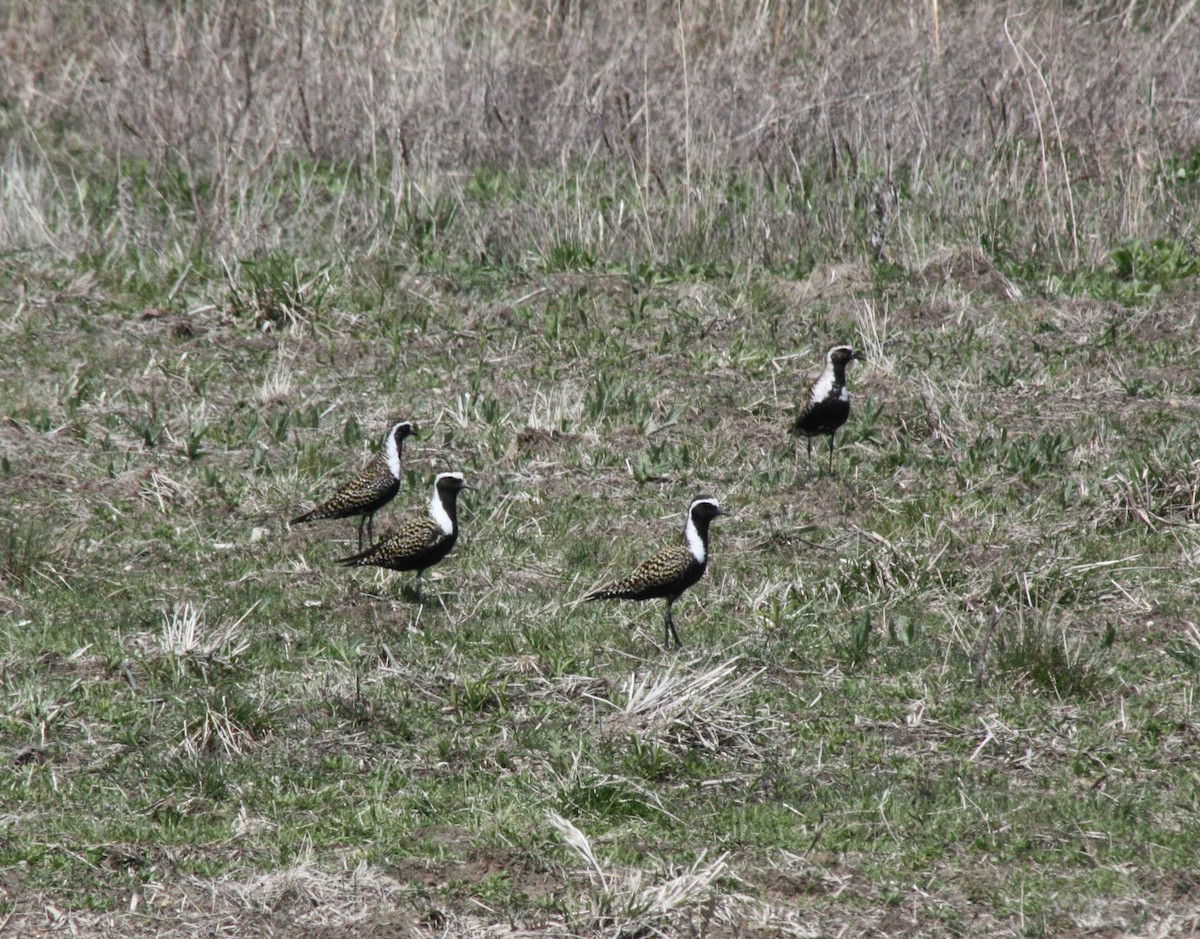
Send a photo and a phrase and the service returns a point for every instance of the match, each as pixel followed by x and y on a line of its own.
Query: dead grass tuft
pixel 306 894
pixel 635 902
pixel 1159 495
pixel 686 709
pixel 187 642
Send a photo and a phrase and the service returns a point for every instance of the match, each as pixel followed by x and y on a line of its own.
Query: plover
pixel 828 403
pixel 672 570
pixel 370 490
pixel 422 540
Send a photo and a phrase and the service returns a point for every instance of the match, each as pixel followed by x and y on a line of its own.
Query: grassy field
pixel 946 690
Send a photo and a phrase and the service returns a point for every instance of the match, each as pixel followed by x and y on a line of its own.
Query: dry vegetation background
pixel 1032 126
pixel 594 249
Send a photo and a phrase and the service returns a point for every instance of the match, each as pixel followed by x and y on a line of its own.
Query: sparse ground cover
pixel 947 690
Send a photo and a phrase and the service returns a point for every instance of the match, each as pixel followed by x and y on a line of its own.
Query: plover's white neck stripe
pixel 439 514
pixel 694 541
pixel 824 385
pixel 391 451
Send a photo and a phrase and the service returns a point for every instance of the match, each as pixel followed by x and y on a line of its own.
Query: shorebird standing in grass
pixel 672 570
pixel 828 402
pixel 422 540
pixel 370 490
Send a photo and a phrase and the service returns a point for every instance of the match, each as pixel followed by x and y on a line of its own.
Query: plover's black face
pixel 840 355
pixel 451 482
pixel 404 429
pixel 706 509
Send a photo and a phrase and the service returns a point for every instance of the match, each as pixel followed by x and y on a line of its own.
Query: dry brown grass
pixel 985 108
